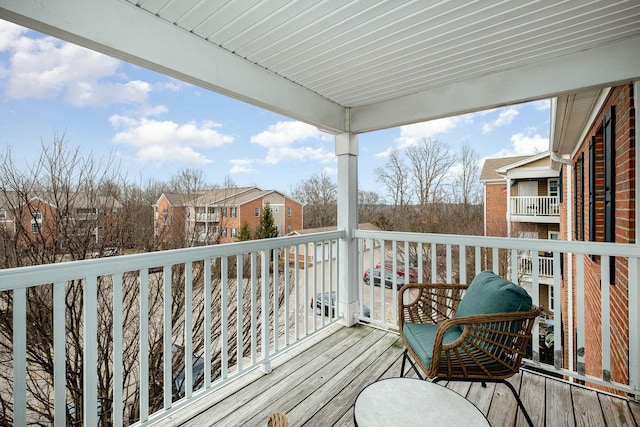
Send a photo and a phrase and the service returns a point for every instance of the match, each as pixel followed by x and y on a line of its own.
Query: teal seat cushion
pixel 490 293
pixel 420 338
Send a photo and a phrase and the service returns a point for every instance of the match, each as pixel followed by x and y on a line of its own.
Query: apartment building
pixel 216 216
pixel 45 219
pixel 522 199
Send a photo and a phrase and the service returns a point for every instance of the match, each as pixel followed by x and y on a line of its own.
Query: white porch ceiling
pixel 360 65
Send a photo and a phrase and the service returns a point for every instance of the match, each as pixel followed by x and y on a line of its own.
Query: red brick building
pixel 216 216
pixel 595 137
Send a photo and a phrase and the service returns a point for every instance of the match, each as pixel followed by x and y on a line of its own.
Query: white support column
pixel 347 153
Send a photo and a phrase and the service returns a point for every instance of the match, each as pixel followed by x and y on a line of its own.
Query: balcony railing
pixel 164 327
pixel 545 265
pixel 534 206
pixel 207 217
pixel 457 259
pixel 170 327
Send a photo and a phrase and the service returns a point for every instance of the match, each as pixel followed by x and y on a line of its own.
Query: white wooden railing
pixel 545 265
pixel 534 206
pixel 161 315
pixel 207 217
pixel 436 258
pixel 155 307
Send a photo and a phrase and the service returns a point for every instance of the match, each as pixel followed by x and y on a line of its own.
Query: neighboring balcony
pixel 178 331
pixel 542 209
pixel 207 217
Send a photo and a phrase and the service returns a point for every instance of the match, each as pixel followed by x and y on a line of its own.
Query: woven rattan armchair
pixel 448 337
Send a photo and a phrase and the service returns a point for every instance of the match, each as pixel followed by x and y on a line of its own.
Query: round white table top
pixel 413 402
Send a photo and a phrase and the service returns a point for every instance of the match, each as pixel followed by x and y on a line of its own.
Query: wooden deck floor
pixel 317 386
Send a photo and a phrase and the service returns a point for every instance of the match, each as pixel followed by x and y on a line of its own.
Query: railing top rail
pixel 23 277
pixel 577 247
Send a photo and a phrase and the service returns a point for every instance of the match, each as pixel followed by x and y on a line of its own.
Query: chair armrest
pixel 491 345
pixel 431 303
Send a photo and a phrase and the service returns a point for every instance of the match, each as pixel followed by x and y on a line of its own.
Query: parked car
pixel 388 265
pixel 388 277
pixel 330 303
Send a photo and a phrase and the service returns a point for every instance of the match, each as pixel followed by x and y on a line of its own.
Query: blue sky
pixel 156 125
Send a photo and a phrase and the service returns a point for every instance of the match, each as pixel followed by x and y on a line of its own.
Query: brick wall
pixel 496 209
pixel 622 98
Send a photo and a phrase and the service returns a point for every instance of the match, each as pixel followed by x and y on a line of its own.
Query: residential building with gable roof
pixel 215 216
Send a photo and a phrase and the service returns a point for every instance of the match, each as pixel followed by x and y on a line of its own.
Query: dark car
pixel 388 278
pixel 330 301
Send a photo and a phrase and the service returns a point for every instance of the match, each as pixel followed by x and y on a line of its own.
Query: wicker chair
pixel 448 337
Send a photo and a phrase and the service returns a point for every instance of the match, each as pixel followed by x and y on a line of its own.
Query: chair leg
pixel 404 359
pixel 413 365
pixel 515 394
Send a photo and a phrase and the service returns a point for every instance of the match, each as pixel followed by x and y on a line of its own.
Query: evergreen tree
pixel 267 228
pixel 244 233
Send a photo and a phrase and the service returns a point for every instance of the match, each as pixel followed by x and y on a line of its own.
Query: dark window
pixel 592 189
pixel 257 211
pixel 578 198
pixel 609 134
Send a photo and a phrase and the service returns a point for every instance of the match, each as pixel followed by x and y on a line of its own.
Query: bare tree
pixel 66 179
pixel 370 206
pixel 430 163
pixel 187 181
pixel 393 176
pixel 467 189
pixel 319 195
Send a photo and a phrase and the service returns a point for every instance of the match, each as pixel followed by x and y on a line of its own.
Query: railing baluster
pixel 558 352
pixel 188 329
pixel 224 321
pixel 240 310
pixel 254 309
pixel 167 361
pixel 634 324
pixel 60 353
pixel 207 322
pixel 605 307
pixel 449 259
pixel 296 284
pixel 287 291
pixel 580 308
pixel 144 345
pixel 315 287
pixel 264 294
pixel 276 301
pixel 306 289
pixel 117 407
pixel 462 263
pixel 434 263
pixel 514 266
pixel 90 362
pixel 20 357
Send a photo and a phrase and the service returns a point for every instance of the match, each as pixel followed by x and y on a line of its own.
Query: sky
pixel 155 126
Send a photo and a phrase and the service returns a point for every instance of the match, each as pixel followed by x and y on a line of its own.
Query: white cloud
pixel 44 67
pixel 525 143
pixel 542 105
pixel 412 134
pixel 242 166
pixel 156 140
pixel 504 118
pixel 284 143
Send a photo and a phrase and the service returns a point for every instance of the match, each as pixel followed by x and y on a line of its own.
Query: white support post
pixel 347 153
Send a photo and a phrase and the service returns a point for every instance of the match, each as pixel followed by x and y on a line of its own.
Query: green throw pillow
pixel 490 293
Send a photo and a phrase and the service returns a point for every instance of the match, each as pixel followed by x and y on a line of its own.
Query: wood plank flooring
pixel 318 385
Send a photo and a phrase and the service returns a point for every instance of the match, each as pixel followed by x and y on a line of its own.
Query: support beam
pixel 347 153
pixel 599 67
